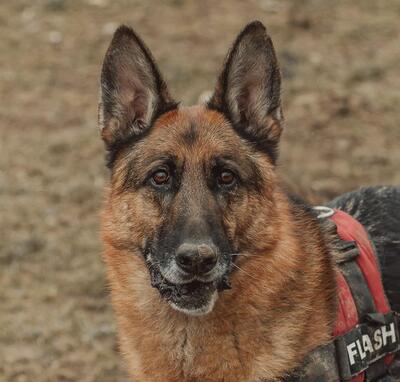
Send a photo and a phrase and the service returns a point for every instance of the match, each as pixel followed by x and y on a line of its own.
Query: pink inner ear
pixel 135 102
pixel 242 104
pixel 133 95
pixel 137 111
pixel 251 101
pixel 140 106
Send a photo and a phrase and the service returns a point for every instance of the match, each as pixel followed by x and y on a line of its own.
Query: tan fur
pixel 282 301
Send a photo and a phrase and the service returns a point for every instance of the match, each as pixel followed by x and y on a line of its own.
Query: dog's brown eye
pixel 226 178
pixel 160 177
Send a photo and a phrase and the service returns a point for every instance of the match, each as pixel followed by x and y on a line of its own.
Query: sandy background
pixel 340 61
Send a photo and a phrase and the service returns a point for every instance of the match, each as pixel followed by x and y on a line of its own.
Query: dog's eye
pixel 160 177
pixel 226 178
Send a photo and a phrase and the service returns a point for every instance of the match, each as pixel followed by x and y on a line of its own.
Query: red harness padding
pixel 350 229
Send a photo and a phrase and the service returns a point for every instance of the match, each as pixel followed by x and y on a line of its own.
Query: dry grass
pixel 341 95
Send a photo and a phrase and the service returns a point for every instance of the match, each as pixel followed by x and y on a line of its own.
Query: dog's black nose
pixel 196 258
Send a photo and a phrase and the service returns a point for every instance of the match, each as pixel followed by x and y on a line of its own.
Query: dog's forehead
pixel 193 128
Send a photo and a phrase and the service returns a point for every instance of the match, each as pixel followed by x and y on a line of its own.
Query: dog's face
pixel 191 186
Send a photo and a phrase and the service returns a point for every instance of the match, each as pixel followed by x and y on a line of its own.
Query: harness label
pixel 365 344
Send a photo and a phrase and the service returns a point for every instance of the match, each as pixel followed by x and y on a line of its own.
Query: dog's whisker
pixel 246 273
pixel 241 254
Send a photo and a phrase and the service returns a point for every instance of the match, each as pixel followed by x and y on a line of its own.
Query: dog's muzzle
pixel 192 282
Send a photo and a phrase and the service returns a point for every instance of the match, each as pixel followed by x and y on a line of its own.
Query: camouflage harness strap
pixel 366 334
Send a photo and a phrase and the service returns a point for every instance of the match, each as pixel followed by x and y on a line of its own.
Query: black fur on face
pixel 199 229
pixel 181 290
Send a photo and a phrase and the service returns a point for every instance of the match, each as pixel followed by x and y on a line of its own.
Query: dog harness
pixel 366 334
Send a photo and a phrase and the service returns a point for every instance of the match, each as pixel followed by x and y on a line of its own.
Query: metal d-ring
pixel 324 212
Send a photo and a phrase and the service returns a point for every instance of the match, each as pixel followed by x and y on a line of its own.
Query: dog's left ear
pixel 248 89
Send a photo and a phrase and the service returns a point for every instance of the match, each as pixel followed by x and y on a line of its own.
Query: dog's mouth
pixel 194 298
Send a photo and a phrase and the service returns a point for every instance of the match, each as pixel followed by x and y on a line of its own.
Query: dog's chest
pixel 207 355
pixel 225 352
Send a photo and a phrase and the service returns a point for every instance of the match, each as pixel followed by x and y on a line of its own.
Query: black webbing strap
pixel 344 357
pixel 365 305
pixel 364 346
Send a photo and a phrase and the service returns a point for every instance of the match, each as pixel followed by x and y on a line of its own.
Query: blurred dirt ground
pixel 340 61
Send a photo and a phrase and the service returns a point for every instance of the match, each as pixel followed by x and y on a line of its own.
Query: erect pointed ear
pixel 133 93
pixel 248 89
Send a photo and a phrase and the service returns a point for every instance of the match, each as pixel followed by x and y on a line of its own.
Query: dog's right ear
pixel 248 89
pixel 133 93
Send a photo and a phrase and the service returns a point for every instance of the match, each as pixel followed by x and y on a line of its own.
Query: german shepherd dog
pixel 216 273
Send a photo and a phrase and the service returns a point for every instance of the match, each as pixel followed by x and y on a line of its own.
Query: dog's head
pixel 191 187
